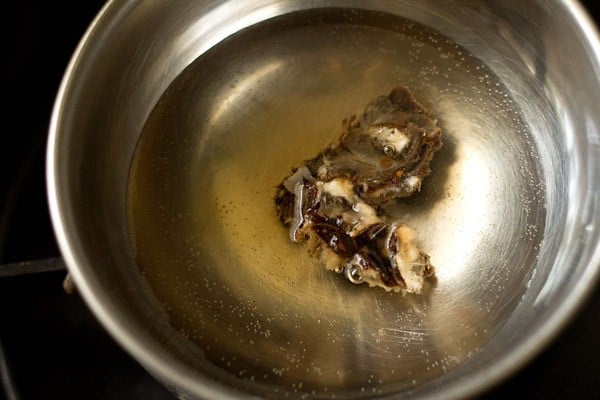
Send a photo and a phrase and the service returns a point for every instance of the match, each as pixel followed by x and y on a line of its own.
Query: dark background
pixel 50 344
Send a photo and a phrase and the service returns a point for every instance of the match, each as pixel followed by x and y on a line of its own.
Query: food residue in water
pixel 334 202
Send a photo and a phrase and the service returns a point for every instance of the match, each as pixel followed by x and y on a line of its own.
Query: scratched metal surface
pixel 231 304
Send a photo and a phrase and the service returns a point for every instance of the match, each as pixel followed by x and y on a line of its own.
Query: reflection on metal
pixel 243 89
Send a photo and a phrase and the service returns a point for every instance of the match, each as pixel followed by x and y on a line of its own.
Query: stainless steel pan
pixel 176 120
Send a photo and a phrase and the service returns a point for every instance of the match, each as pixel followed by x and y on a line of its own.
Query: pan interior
pixel 206 236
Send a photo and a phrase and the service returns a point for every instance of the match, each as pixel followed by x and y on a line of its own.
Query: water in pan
pixel 208 241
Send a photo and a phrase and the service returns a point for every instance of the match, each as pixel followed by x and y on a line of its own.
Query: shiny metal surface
pixel 181 190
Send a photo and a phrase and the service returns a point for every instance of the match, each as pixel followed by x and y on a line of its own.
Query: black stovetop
pixel 51 347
